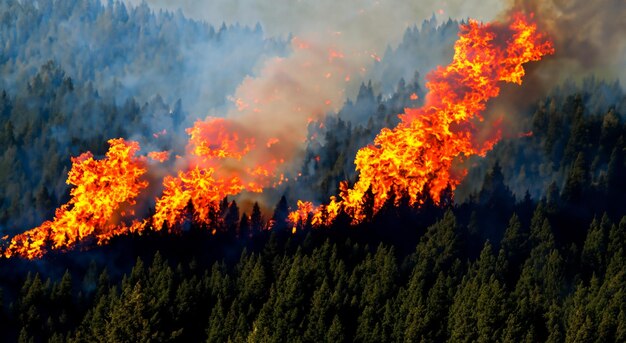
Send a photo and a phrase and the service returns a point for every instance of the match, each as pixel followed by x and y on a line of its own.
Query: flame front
pixel 416 157
pixel 101 189
pixel 215 144
pixel 228 156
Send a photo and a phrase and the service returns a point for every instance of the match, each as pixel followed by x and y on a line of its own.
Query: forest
pixel 531 247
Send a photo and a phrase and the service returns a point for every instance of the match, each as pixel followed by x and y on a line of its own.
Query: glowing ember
pixel 525 134
pixel 101 189
pixel 159 156
pixel 271 142
pixel 160 133
pixel 334 54
pixel 416 156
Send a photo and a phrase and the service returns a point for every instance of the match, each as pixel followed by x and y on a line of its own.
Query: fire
pixel 414 96
pixel 271 142
pixel 226 157
pixel 102 188
pixel 215 145
pixel 159 156
pixel 334 54
pixel 416 157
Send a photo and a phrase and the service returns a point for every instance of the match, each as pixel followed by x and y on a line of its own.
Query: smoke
pixel 589 36
pixel 334 48
pixel 379 22
pixel 590 45
pixel 589 42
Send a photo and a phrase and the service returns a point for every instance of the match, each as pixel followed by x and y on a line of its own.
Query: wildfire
pixel 102 188
pixel 214 145
pixel 417 155
pixel 225 157
pixel 159 156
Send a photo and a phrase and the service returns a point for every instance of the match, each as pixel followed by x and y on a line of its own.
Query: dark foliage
pixel 534 252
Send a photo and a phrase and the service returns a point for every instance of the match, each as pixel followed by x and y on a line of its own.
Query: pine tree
pixel 231 218
pixel 256 219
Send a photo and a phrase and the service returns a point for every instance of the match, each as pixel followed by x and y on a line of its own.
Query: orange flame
pixel 101 189
pixel 272 141
pixel 159 156
pixel 214 145
pixel 417 155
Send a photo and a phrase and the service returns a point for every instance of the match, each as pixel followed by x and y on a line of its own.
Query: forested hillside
pixel 531 246
pixel 77 73
pixel 127 51
pixel 396 277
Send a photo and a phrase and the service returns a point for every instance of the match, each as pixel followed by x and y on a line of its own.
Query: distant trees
pixel 536 253
pixel 76 73
pixel 113 45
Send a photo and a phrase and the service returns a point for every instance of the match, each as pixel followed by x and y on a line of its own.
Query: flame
pixel 334 54
pixel 416 157
pixel 272 141
pixel 414 96
pixel 247 153
pixel 159 156
pixel 101 189
pixel 215 144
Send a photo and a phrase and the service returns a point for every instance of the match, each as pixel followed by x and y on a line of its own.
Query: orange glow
pixel 414 97
pixel 160 133
pixel 526 134
pixel 213 146
pixel 416 157
pixel 300 44
pixel 159 156
pixel 102 188
pixel 271 142
pixel 226 157
pixel 334 54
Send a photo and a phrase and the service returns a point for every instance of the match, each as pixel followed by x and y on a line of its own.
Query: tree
pixel 368 204
pixel 279 219
pixel 244 231
pixel 594 251
pixel 128 320
pixel 577 180
pixel 514 245
pixel 231 219
pixel 256 219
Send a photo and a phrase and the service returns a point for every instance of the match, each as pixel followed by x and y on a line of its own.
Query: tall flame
pixel 226 157
pixel 417 156
pixel 215 147
pixel 102 188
